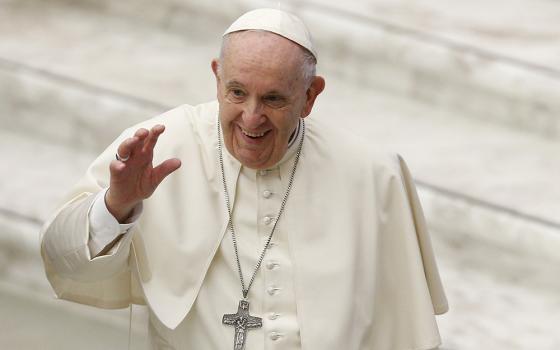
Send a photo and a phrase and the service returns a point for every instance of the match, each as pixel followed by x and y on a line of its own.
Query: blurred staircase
pixel 476 116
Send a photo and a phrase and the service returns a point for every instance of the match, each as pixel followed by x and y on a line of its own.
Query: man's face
pixel 262 95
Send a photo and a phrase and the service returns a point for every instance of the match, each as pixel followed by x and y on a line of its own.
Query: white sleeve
pixel 104 228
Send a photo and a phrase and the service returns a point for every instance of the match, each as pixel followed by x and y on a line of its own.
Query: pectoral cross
pixel 242 321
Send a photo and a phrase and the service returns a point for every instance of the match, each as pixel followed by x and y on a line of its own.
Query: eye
pixel 236 95
pixel 274 101
pixel 237 92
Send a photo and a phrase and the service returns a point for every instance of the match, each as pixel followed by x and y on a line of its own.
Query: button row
pixel 271 265
pixel 272 290
pixel 275 336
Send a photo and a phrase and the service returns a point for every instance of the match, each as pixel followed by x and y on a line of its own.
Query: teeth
pixel 251 134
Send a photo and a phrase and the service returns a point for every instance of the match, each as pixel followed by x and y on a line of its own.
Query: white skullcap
pixel 276 21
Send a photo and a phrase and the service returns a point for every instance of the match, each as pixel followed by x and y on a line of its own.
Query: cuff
pixel 104 228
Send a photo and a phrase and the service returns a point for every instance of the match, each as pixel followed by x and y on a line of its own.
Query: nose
pixel 253 114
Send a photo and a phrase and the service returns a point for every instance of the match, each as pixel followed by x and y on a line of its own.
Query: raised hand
pixel 136 178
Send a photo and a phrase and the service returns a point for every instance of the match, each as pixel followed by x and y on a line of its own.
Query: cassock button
pixel 267 220
pixel 272 290
pixel 274 336
pixel 271 265
pixel 263 172
pixel 266 194
pixel 273 316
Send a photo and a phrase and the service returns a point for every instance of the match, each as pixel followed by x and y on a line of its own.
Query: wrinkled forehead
pixel 262 61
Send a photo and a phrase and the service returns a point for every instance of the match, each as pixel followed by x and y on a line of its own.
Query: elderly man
pixel 276 233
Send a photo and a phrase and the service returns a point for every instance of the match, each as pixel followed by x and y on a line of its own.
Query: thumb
pixel 165 168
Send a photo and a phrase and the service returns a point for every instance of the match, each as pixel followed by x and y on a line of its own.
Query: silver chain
pixel 244 290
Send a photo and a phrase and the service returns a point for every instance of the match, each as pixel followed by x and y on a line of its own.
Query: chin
pixel 256 162
pixel 253 158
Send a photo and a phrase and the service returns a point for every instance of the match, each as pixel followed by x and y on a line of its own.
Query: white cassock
pixel 351 266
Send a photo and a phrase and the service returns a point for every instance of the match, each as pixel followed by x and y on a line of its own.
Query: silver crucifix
pixel 242 321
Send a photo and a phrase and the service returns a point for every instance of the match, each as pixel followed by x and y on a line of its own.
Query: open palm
pixel 136 178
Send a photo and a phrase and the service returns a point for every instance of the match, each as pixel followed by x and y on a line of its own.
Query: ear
pixel 215 63
pixel 317 86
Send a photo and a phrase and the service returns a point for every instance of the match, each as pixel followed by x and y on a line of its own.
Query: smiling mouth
pixel 253 135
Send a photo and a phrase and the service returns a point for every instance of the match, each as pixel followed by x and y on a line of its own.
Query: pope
pixel 251 226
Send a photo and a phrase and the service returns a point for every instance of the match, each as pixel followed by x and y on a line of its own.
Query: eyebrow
pixel 233 83
pixel 275 92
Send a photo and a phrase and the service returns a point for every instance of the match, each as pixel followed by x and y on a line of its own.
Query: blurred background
pixel 467 91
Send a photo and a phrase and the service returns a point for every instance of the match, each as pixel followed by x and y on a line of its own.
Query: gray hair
pixel 308 65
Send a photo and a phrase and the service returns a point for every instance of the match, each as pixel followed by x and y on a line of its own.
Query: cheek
pixel 228 113
pixel 287 122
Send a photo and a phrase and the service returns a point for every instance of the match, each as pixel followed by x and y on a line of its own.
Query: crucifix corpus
pixel 242 321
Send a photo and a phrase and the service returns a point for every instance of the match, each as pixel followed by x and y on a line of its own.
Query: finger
pixel 132 146
pixel 126 148
pixel 167 167
pixel 116 168
pixel 141 133
pixel 152 138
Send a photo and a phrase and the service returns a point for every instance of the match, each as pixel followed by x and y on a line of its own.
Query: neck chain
pixel 245 290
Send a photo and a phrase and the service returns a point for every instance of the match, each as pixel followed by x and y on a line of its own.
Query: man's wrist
pixel 104 227
pixel 120 212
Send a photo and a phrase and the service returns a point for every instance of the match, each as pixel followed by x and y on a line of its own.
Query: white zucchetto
pixel 276 21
